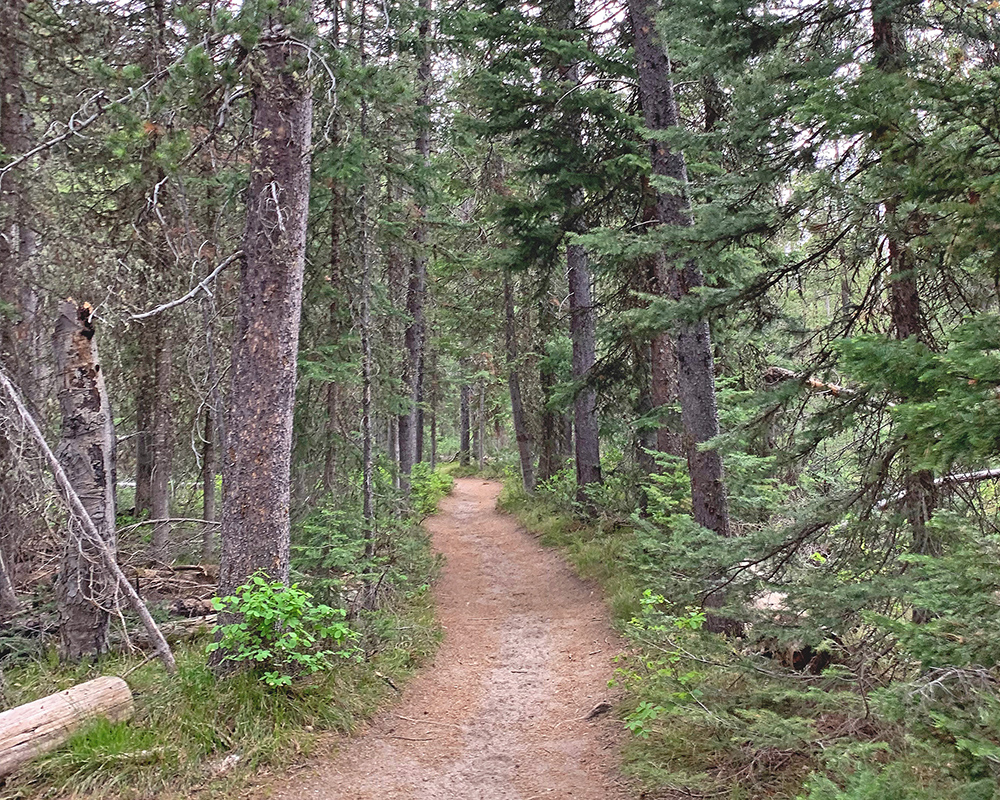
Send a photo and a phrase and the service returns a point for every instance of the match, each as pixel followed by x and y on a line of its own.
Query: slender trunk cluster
pixel 678 278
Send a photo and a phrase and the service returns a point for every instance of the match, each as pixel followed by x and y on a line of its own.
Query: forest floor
pixel 504 710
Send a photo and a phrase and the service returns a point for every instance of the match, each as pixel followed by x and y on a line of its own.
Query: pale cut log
pixel 35 728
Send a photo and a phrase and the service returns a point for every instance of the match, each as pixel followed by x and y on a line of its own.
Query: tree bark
pixel 521 432
pixel 921 496
pixel 409 423
pixel 695 366
pixel 208 472
pixel 256 488
pixel 163 448
pixel 481 427
pixel 91 536
pixel 583 332
pixel 85 593
pixel 145 395
pixel 463 424
pixel 30 730
pixel 549 456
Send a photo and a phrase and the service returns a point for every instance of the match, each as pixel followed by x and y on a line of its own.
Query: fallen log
pixel 33 729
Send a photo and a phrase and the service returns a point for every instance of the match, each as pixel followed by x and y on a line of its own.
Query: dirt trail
pixel 500 714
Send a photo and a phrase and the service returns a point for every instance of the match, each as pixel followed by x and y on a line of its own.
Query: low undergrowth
pixel 196 734
pixel 730 718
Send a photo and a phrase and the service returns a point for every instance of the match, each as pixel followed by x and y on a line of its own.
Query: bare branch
pixel 77 509
pixel 201 287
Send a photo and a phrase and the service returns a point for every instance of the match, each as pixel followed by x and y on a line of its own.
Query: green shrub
pixel 427 487
pixel 281 633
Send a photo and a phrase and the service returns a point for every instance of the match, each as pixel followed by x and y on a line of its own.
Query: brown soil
pixel 501 713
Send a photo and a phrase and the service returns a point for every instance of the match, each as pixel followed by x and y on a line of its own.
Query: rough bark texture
pixel 85 592
pixel 521 431
pixel 696 373
pixel 256 491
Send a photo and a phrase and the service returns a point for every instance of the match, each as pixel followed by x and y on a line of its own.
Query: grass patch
pixel 195 734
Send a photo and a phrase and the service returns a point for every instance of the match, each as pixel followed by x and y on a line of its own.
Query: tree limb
pixel 203 286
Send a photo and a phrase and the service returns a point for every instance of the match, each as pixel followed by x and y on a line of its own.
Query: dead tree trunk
pixel 85 593
pixel 521 431
pixel 256 485
pixel 30 730
pixel 90 533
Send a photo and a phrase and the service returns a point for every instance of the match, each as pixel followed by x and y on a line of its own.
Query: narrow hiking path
pixel 501 712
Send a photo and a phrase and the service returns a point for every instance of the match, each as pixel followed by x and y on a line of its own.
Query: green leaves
pixel 281 632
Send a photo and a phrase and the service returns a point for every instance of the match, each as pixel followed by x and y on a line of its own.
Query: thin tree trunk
pixel 481 427
pixel 85 593
pixel 256 486
pixel 583 331
pixel 162 443
pixel 696 371
pixel 463 424
pixel 409 423
pixel 367 433
pixel 549 461
pixel 208 472
pixel 20 338
pixel 921 497
pixel 521 431
pixel 145 395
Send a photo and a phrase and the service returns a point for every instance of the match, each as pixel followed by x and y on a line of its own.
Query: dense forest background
pixel 715 287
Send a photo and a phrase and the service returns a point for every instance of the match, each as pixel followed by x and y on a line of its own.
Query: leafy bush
pixel 427 487
pixel 281 633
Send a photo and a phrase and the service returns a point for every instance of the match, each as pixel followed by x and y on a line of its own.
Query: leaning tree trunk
pixel 256 488
pixel 85 592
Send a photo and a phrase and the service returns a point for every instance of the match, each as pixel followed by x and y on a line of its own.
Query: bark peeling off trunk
pixel 85 592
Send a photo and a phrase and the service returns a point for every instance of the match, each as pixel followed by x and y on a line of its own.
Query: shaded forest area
pixel 714 286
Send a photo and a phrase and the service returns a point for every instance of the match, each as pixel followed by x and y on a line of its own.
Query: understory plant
pixel 280 632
